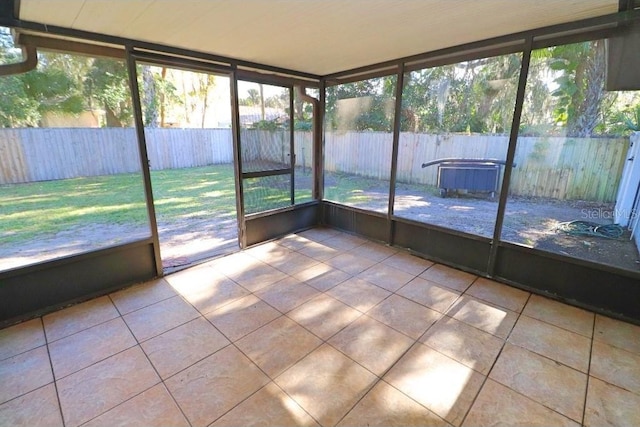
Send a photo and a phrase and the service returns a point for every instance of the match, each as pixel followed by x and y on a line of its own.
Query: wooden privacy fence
pixel 561 168
pixel 187 148
pixel 554 167
pixel 43 154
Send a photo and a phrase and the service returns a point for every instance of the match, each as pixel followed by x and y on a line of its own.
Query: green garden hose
pixel 586 228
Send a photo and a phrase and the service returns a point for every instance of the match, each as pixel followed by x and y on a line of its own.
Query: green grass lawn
pixel 49 207
pixel 28 210
pixel 181 194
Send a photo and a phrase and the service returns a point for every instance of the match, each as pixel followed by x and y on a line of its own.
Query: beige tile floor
pixel 320 328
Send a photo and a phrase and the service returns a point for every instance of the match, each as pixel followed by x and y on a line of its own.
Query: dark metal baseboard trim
pixel 57 284
pixel 279 223
pixel 599 288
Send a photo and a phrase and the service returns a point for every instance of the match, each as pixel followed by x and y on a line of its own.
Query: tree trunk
pixel 205 104
pixel 209 81
pixel 587 99
pixel 163 99
pixel 112 120
pixel 149 98
pixel 262 113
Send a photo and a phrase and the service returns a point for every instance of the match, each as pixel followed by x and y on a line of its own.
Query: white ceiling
pixel 314 36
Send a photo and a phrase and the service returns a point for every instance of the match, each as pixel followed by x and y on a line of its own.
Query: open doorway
pixel 187 119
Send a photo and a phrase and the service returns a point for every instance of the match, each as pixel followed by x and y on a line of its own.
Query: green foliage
pixel 268 125
pixel 366 105
pixel 580 70
pixel 62 84
pixel 622 120
pixel 54 91
pixel 474 96
pixel 305 125
pixel 16 108
pixel 107 82
pixel 631 118
pixel 566 94
pixel 253 98
pixel 27 97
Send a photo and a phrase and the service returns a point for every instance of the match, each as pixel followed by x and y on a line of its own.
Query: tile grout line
pixel 53 375
pixel 385 372
pixel 586 390
pixel 55 381
pixel 271 380
pixel 138 344
pixel 81 330
pixel 409 348
pixel 486 377
pixel 558 326
pixel 535 353
pixel 323 342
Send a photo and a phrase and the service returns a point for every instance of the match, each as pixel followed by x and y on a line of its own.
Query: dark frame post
pixel 144 157
pixel 292 145
pixel 318 143
pixel 511 153
pixel 235 126
pixel 397 119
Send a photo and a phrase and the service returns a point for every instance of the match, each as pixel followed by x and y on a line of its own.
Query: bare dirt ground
pixel 530 222
pixel 180 244
pixel 196 240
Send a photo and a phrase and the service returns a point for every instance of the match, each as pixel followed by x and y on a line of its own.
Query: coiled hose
pixel 586 228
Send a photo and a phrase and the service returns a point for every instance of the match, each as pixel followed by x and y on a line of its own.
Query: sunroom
pixel 276 187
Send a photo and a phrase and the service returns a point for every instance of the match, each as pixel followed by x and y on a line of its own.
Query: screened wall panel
pixel 266 193
pixel 276 158
pixel 70 175
pixel 574 189
pixel 455 124
pixel 264 126
pixel 303 143
pixel 188 135
pixel 358 142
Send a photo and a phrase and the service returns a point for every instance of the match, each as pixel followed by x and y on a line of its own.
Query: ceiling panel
pixel 102 17
pixel 319 37
pixel 63 13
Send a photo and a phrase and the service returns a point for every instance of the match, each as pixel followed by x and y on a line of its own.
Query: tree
pixel 566 94
pixel 580 90
pixel 206 83
pixel 473 96
pixel 28 97
pixel 165 94
pixel 253 98
pixel 302 113
pixel 367 105
pixel 50 88
pixel 196 90
pixel 107 82
pixel 150 99
pixel 17 109
pixel 53 90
